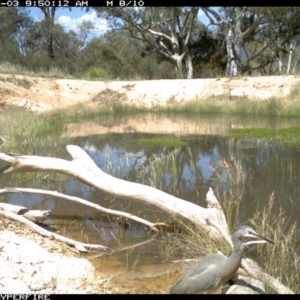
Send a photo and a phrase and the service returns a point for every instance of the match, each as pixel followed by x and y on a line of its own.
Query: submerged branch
pixel 51 235
pixel 83 168
pixel 84 202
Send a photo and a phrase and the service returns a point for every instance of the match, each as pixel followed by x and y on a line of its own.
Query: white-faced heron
pixel 211 271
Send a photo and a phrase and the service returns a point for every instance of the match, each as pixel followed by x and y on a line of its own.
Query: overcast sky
pixel 69 19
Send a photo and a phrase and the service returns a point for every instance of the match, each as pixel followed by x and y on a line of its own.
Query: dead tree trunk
pixel 83 168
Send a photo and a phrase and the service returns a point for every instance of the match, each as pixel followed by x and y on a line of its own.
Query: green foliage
pixel 159 29
pixel 108 56
pixel 28 131
pixel 95 73
pixel 285 136
pixel 226 104
pixel 45 47
pixel 208 54
pixel 149 68
pixel 8 68
pixel 153 173
pixel 273 43
pixel 12 19
pixel 295 93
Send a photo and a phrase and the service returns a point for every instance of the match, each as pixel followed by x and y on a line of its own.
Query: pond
pixel 182 155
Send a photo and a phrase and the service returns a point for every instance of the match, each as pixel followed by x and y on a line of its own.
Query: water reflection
pixel 249 169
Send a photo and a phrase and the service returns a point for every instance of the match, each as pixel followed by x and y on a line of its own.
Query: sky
pixel 70 18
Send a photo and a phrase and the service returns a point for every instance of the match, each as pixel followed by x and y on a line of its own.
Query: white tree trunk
pixel 292 46
pixel 178 59
pixel 296 61
pixel 279 64
pixel 232 68
pixel 234 38
pixel 189 67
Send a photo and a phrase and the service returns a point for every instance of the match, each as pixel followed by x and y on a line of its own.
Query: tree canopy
pixel 156 42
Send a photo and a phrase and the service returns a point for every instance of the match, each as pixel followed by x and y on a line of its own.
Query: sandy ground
pixel 32 264
pixel 43 94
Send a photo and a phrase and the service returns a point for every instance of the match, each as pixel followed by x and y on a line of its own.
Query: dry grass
pixel 282 259
pixel 232 172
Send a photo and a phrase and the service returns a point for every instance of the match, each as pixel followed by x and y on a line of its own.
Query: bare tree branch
pixel 83 168
pixel 84 202
pixel 49 234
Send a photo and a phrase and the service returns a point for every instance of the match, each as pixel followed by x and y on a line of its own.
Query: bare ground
pixel 32 264
pixel 44 94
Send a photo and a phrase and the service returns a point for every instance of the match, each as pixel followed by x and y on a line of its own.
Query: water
pixel 249 169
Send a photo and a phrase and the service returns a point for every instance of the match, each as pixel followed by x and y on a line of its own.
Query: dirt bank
pixel 44 94
pixel 33 264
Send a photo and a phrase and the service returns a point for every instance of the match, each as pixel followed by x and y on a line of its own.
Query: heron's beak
pixel 256 235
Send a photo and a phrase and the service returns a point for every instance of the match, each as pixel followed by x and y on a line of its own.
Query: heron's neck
pixel 236 255
pixel 238 248
pixel 233 262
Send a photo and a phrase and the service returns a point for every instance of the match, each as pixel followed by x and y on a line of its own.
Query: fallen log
pixel 31 214
pixel 83 168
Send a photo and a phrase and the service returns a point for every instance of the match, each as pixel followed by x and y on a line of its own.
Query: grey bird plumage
pixel 212 271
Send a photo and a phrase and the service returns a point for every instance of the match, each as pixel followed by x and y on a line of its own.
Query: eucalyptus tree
pixel 49 14
pixel 16 26
pixel 208 54
pixel 279 37
pixel 50 31
pixel 34 47
pixel 85 28
pixel 67 49
pixel 165 30
pixel 115 55
pixel 12 21
pixel 236 31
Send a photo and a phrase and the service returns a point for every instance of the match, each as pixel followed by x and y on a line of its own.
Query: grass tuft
pixel 281 260
pixel 284 136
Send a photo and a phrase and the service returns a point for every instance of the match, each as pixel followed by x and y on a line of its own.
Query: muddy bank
pixel 32 264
